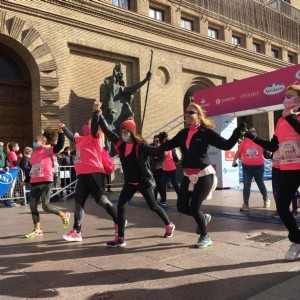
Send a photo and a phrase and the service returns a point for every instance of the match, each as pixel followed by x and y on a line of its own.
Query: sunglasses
pixel 190 112
pixel 289 96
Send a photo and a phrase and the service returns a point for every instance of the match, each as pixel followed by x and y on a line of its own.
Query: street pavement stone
pixel 150 267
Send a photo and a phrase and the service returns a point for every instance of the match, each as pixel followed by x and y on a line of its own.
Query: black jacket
pixel 196 156
pixel 25 166
pixel 144 151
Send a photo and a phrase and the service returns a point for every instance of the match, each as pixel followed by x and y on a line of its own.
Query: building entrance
pixel 15 99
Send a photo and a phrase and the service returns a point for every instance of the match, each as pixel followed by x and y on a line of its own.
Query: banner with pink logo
pixel 250 93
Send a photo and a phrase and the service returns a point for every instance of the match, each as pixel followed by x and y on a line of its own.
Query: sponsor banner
pixel 228 176
pixel 6 180
pixel 254 92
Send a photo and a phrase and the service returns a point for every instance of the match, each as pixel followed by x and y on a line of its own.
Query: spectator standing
pixel 156 163
pixel 253 167
pixel 64 159
pixel 14 159
pixel 169 170
pixel 26 167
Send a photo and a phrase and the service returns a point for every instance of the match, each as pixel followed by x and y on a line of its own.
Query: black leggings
pixel 91 183
pixel 148 193
pixel 289 184
pixel 189 203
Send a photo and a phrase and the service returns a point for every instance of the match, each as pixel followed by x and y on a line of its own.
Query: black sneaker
pixel 117 242
pixel 163 204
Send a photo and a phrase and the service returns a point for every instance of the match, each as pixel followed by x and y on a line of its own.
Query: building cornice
pixel 146 24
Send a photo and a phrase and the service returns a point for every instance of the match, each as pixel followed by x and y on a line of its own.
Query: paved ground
pixel 150 267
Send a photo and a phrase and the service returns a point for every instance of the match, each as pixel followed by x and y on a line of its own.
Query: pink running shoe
pixel 169 230
pixel 73 236
pixel 117 242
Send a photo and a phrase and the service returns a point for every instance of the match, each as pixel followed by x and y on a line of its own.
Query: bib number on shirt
pixel 37 171
pixel 289 152
pixel 252 153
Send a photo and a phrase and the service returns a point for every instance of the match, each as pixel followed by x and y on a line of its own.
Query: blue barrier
pixel 267 173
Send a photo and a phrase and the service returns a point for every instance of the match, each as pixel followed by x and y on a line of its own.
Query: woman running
pixel 41 177
pixel 91 176
pixel 133 152
pixel 199 176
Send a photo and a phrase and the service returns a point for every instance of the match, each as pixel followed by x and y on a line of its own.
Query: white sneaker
pixel 267 203
pixel 245 207
pixel 293 252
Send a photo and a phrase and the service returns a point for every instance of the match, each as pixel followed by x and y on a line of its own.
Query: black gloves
pixel 148 76
pixel 250 135
pixel 242 127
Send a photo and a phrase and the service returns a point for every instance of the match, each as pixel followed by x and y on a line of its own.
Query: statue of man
pixel 117 104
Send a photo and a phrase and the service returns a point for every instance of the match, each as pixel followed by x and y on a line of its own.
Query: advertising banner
pixel 222 160
pixel 6 180
pixel 250 93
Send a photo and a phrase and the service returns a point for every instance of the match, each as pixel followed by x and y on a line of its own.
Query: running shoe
pixel 34 233
pixel 293 252
pixel 275 215
pixel 207 219
pixel 73 236
pixel 117 242
pixel 66 220
pixel 203 242
pixel 295 213
pixel 267 203
pixel 245 207
pixel 169 230
pixel 163 204
pixel 14 204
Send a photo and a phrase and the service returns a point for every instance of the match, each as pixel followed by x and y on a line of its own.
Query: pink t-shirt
pixel 251 153
pixel 12 156
pixel 169 164
pixel 289 145
pixel 191 132
pixel 41 164
pixel 88 155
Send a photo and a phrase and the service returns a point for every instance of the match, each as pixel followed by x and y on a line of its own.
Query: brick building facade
pixel 56 54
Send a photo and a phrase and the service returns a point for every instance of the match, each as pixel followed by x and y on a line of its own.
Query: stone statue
pixel 118 98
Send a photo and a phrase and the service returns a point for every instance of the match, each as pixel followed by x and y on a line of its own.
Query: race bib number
pixel 289 152
pixel 37 171
pixel 252 153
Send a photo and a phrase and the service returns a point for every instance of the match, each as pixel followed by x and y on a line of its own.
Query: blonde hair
pixel 202 117
pixel 294 87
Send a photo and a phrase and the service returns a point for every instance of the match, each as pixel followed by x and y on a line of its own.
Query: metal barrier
pixel 267 172
pixel 16 192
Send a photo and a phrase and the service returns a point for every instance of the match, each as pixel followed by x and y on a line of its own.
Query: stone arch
pixel 196 84
pixel 28 44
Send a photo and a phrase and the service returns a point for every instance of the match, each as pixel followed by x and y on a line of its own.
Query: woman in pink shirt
pixel 14 159
pixel 41 177
pixel 253 167
pixel 91 176
pixel 287 139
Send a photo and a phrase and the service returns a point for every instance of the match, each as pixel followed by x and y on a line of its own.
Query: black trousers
pixel 189 203
pixel 91 184
pixel 148 193
pixel 289 184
